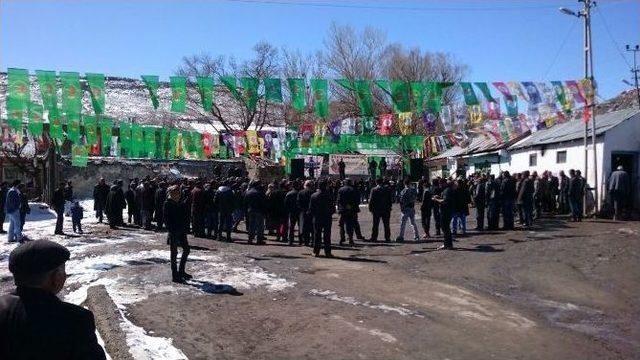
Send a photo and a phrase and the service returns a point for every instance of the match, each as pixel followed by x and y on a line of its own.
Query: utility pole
pixel 585 14
pixel 635 69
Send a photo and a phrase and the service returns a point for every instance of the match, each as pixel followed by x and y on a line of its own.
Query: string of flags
pixel 419 121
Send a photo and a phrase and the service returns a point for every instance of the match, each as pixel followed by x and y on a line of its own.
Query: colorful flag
pixel 429 120
pixel 532 92
pixel 178 93
pixel 385 123
pixel 79 155
pixel 475 115
pixel 320 89
pixel 297 89
pixel 152 82
pixel 106 132
pixel 215 144
pixel 206 144
pixel 470 97
pixel 400 96
pixel 516 89
pixel 73 128
pixel 447 116
pixel 348 126
pixel 253 147
pixel 18 97
pixel 250 92
pixel 90 129
pixel 335 129
pixel 558 88
pixel 504 90
pixel 434 95
pixel 575 91
pixel 511 104
pixel 586 85
pixel 493 110
pixel 205 89
pixel 47 82
pixel 96 90
pixel 306 132
pixel 71 93
pixel 405 123
pixel 35 120
pixel 484 89
pixel 368 124
pixel 239 143
pixel 273 90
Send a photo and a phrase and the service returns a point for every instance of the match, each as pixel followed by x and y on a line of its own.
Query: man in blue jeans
pixel 12 209
pixel 408 197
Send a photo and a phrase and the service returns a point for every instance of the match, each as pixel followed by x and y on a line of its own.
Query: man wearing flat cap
pixel 34 323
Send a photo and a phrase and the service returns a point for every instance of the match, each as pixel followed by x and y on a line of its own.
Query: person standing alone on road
pixel 175 214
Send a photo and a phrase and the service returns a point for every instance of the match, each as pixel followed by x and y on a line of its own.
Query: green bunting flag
pixel 71 94
pixel 55 124
pixel 47 82
pixel 484 88
pixel 385 85
pixel 346 83
pixel 558 88
pixel 297 88
pixel 35 120
pixel 368 124
pixel 320 89
pixel 365 99
pixel 250 92
pixel 79 155
pixel 196 140
pixel 434 95
pixel 231 83
pixel 400 96
pixel 273 90
pixel 90 129
pixel 106 132
pixel 419 94
pixel 18 96
pixel 137 140
pixel 205 88
pixel 125 136
pixel 96 90
pixel 178 93
pixel 73 128
pixel 470 97
pixel 150 141
pixel 152 83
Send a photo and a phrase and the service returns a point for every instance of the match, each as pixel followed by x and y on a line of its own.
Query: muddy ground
pixel 559 291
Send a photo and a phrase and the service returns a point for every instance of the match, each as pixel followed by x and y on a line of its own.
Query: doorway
pixel 628 161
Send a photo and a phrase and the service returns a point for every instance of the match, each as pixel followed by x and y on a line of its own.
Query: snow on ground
pixel 131 275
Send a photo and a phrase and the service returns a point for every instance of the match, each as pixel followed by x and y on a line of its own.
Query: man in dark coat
pixel 426 208
pixel 224 201
pixel 525 198
pixel 341 168
pixel 132 207
pixel 148 204
pixel 508 196
pixel 306 220
pixel 380 201
pixel 372 168
pixel 563 197
pixel 4 188
pixel 58 206
pixel 479 200
pixel 492 198
pixel 576 194
pixel 100 192
pixel 321 207
pixel 175 213
pixel 293 213
pixel 198 210
pixel 348 201
pixel 447 207
pixel 158 212
pixel 211 217
pixel 619 191
pixel 115 205
pixel 255 202
pixel 383 167
pixel 34 323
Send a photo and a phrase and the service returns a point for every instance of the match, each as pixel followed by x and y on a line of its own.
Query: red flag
pixel 504 90
pixel 206 144
pixel 586 114
pixel 385 122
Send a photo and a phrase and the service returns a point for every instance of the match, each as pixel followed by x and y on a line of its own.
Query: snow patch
pixel 142 346
pixel 331 295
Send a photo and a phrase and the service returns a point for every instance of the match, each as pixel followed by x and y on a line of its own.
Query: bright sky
pixel 499 40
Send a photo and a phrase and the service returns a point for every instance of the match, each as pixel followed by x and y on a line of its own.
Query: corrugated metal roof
pixel 574 129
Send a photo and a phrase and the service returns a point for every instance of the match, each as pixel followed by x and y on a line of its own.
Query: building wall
pixel 623 138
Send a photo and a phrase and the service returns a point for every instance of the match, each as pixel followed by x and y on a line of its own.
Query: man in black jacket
pixel 306 220
pixel 158 212
pixel 321 207
pixel 34 323
pixel 115 205
pixel 224 201
pixel 525 198
pixel 175 213
pixel 508 196
pixel 341 168
pixel 293 213
pixel 426 208
pixel 58 206
pixel 479 201
pixel 4 187
pixel 380 202
pixel 447 206
pixel 100 192
pixel 492 198
pixel 348 202
pixel 255 202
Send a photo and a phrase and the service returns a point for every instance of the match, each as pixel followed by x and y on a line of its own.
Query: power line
pixel 613 40
pixel 564 42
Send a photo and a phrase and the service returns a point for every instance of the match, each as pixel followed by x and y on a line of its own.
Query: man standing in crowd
pixel 341 169
pixel 211 210
pixel 312 168
pixel 321 207
pixel 100 192
pixel 508 196
pixel 224 202
pixel 426 209
pixel 479 201
pixel 525 199
pixel 619 191
pixel 130 196
pixel 198 209
pixel 383 167
pixel 34 323
pixel 306 218
pixel 115 205
pixel 372 168
pixel 24 207
pixel 175 213
pixel 4 188
pixel 407 200
pixel 492 197
pixel 348 202
pixel 58 206
pixel 576 192
pixel 159 198
pixel 12 209
pixel 563 196
pixel 255 202
pixel 380 202
pixel 447 205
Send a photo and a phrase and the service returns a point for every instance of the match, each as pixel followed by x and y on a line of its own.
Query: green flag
pixel 71 94
pixel 297 88
pixel 18 96
pixel 90 129
pixel 137 140
pixel 434 95
pixel 320 88
pixel 470 97
pixel 231 83
pixel 385 85
pixel 419 94
pixel 400 96
pixel 96 89
pixel 125 137
pixel 35 120
pixel 368 124
pixel 273 90
pixel 150 141
pixel 178 93
pixel 484 88
pixel 173 143
pixel 79 155
pixel 346 83
pixel 205 88
pixel 152 82
pixel 196 140
pixel 47 82
pixel 55 124
pixel 365 99
pixel 250 92
pixel 106 126
pixel 73 128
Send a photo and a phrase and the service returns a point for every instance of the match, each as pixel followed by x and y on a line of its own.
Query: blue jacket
pixel 76 213
pixel 13 200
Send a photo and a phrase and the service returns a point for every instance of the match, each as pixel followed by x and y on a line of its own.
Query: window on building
pixel 561 157
pixel 533 159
